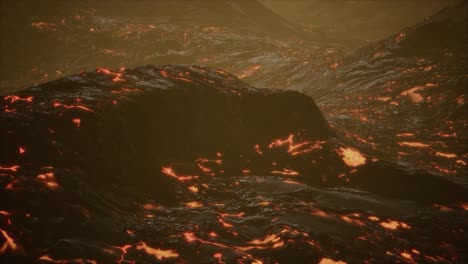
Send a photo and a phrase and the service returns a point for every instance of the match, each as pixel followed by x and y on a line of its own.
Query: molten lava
pixel 352 157
pixel 159 254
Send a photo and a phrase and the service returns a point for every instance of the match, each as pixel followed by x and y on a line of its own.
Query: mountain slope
pixel 405 96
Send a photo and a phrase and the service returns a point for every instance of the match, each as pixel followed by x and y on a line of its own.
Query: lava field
pixel 163 132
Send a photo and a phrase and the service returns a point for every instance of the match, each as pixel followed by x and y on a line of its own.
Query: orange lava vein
pixel 12 168
pixel 9 243
pixel 158 253
pixel 190 237
pixel 81 107
pixel 170 172
pixel 14 98
pixel 413 144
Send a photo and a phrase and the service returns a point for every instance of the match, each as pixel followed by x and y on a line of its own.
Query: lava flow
pixel 355 150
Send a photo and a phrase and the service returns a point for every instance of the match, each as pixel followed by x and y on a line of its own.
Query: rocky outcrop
pixel 131 122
